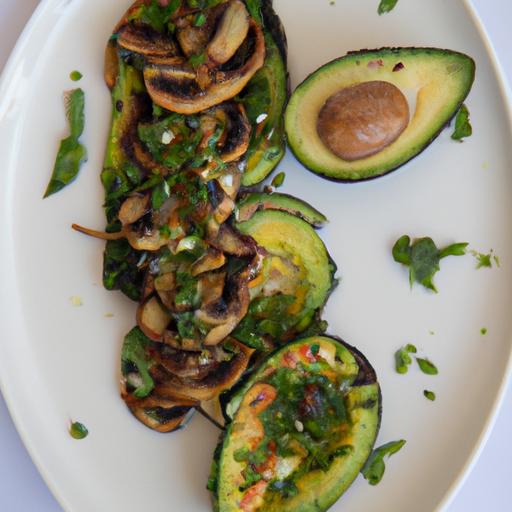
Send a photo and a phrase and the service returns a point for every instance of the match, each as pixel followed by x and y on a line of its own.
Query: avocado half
pixel 439 80
pixel 293 444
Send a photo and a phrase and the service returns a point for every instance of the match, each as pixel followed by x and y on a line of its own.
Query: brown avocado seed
pixel 363 119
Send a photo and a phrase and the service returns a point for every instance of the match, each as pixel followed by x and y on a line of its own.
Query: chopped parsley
pixel 278 180
pixel 373 470
pixel 75 76
pixel 483 331
pixel 462 125
pixel 423 257
pixel 403 359
pixel 71 152
pixel 427 366
pixel 429 395
pixel 78 430
pixel 485 260
pixel 386 6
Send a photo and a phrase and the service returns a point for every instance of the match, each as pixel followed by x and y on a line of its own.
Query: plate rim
pixel 472 456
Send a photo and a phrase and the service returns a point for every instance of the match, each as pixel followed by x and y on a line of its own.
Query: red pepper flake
pixel 398 67
pixel 373 64
pixel 305 351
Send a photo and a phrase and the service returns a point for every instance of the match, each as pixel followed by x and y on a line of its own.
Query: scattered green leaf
pixel 485 260
pixel 278 180
pixel 78 431
pixel 462 125
pixel 427 366
pixel 386 6
pixel 430 395
pixel 200 20
pixel 75 76
pixel 134 358
pixel 423 257
pixel 403 359
pixel 483 331
pixel 374 468
pixel 71 153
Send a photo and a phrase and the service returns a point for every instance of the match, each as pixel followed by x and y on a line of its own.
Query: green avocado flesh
pixel 439 80
pixel 302 428
pixel 255 201
pixel 293 284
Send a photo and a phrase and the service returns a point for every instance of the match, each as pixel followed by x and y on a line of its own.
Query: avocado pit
pixel 363 119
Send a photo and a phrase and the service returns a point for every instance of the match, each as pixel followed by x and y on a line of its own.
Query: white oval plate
pixel 59 362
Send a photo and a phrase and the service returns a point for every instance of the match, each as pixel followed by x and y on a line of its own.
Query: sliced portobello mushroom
pixel 144 40
pixel 163 414
pixel 223 377
pixel 174 88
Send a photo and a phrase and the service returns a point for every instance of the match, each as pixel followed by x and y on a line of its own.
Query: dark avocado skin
pixel 389 51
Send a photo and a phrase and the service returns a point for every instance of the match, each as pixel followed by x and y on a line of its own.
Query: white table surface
pixel 488 486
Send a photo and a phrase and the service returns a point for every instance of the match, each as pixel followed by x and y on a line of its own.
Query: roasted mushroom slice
pixel 133 208
pixel 238 130
pixel 153 318
pixel 211 287
pixel 225 376
pixel 174 340
pixel 162 414
pixel 230 34
pixel 232 242
pixel 175 90
pixel 193 39
pixel 213 259
pixel 190 365
pixel 225 313
pixel 146 41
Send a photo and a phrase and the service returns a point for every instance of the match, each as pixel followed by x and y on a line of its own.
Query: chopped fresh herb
pixel 157 15
pixel 386 6
pixel 483 331
pixel 197 60
pixel 485 260
pixel 135 359
pixel 423 257
pixel 278 180
pixel 160 194
pixel 373 470
pixel 71 153
pixel 200 20
pixel 403 359
pixel 462 125
pixel 427 366
pixel 75 76
pixel 430 395
pixel 78 431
